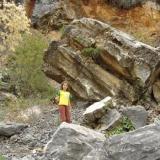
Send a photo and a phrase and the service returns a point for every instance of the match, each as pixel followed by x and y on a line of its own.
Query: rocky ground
pixel 41 128
pixel 122 67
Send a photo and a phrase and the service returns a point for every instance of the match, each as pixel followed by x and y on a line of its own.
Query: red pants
pixel 65 114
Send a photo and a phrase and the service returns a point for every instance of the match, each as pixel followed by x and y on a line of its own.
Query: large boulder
pixel 97 109
pixel 73 142
pixel 9 129
pixel 117 64
pixel 43 7
pixel 137 114
pixel 57 14
pixel 110 120
pixel 101 115
pixel 143 143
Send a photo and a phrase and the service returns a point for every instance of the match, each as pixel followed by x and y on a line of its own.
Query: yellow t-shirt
pixel 64 98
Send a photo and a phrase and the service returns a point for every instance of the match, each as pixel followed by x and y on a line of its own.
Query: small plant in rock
pixel 79 39
pixel 83 41
pixel 62 30
pixel 91 52
pixel 125 125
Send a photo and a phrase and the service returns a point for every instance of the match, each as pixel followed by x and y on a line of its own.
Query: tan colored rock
pixel 88 80
pixel 156 91
pixel 122 67
pixel 121 53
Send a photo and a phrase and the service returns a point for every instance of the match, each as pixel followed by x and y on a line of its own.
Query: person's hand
pixel 56 100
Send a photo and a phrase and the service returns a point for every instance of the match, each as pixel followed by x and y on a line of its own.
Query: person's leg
pixel 62 113
pixel 68 114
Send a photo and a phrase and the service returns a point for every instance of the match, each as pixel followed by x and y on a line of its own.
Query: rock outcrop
pixel 101 115
pixel 43 7
pixel 10 129
pixel 101 61
pixel 73 142
pixel 110 120
pixel 143 143
pixel 97 110
pixel 137 114
pixel 61 14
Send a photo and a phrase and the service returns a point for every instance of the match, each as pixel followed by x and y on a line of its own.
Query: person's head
pixel 64 85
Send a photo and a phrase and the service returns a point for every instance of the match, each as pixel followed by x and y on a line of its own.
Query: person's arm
pixel 70 99
pixel 57 97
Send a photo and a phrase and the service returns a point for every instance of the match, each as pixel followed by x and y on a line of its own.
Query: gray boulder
pixel 141 144
pixel 9 129
pixel 54 15
pixel 97 110
pixel 109 120
pixel 137 114
pixel 73 142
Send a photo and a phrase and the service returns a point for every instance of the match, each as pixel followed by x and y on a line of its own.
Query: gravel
pixel 32 140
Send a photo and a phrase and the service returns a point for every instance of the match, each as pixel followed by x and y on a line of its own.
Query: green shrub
pixel 91 52
pixel 2 158
pixel 125 125
pixel 25 67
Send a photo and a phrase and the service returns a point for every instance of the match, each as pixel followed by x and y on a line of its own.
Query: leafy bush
pixel 13 22
pixel 91 52
pixel 25 67
pixel 125 125
pixel 2 158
